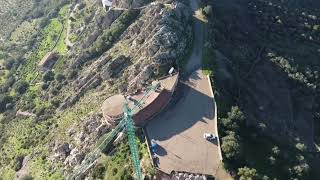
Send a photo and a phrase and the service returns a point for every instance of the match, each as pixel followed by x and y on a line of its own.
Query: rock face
pixel 87 133
pixel 75 158
pixel 61 151
pixel 155 41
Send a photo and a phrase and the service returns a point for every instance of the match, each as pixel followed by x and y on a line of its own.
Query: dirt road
pixel 195 59
pixel 179 130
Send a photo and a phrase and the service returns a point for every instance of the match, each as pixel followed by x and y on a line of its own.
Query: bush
pixel 44 86
pixel 72 74
pixel 60 77
pixel 21 87
pixel 99 171
pixel 26 177
pixel 8 83
pixel 54 91
pixel 8 64
pixel 48 76
pixel 40 111
pixel 55 103
pixel 4 100
pixel 18 163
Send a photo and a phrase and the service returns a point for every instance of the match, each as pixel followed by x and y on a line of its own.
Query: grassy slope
pixel 27 136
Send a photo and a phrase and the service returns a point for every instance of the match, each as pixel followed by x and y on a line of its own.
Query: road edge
pixel 216 117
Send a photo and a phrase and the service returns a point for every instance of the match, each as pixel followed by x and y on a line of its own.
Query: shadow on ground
pixel 192 107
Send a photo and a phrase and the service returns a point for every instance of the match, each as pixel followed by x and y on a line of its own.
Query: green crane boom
pixel 132 141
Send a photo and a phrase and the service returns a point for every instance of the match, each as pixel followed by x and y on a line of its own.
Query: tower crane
pixel 126 124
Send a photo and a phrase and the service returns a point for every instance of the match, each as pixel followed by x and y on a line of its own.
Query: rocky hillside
pixel 61 62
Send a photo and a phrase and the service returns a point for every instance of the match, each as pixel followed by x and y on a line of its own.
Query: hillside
pixel 60 60
pixel 265 63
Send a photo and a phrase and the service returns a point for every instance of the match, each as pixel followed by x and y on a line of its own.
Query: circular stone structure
pixel 112 108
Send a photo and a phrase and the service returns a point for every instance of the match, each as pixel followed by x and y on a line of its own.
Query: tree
pixel 72 74
pixel 262 127
pixel 301 146
pixel 48 76
pixel 230 146
pixel 276 151
pixel 17 165
pixel 21 86
pixel 207 10
pixel 299 170
pixel 9 63
pixel 272 160
pixel 55 103
pixel 246 173
pixel 4 100
pixel 26 177
pixel 59 77
pixel 234 120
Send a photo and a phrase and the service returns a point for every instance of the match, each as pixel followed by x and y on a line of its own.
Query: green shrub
pixel 17 165
pixel 4 100
pixel 48 76
pixel 72 74
pixel 8 64
pixel 8 84
pixel 40 111
pixel 26 177
pixel 21 87
pixel 60 77
pixel 99 171
pixel 55 103
pixel 44 86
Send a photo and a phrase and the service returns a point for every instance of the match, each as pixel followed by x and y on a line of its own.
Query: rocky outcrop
pixel 74 158
pixel 113 68
pixel 84 136
pixel 155 41
pixel 62 151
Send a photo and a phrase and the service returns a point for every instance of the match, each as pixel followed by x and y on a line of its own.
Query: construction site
pixel 176 113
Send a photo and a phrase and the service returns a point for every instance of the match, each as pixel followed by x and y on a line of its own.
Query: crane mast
pixel 127 124
pixel 132 141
